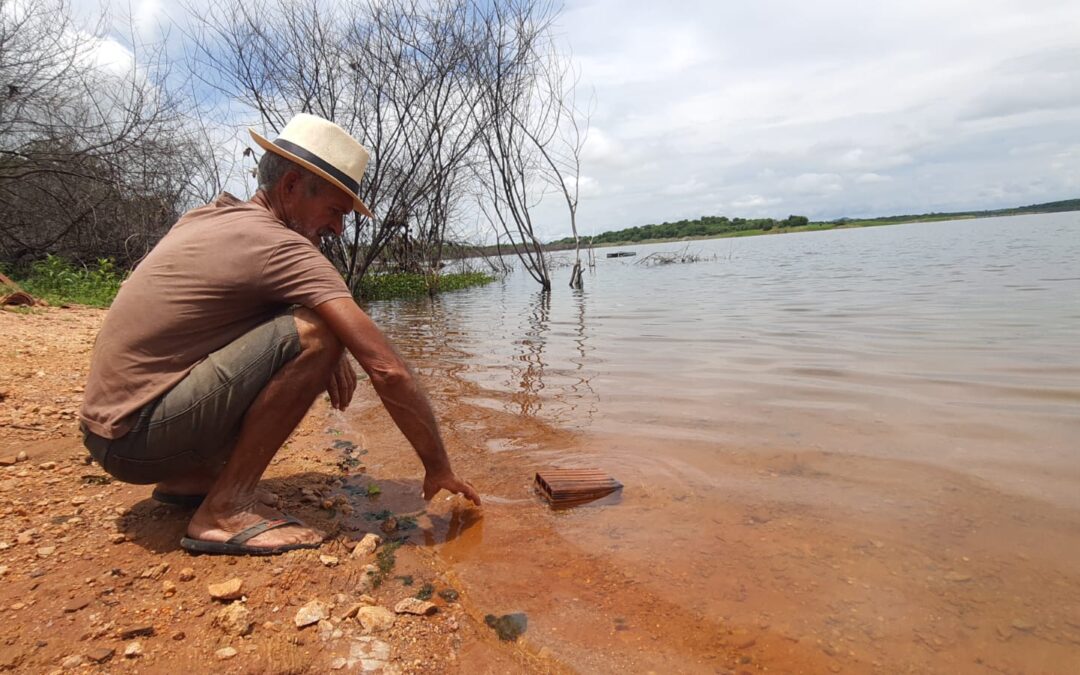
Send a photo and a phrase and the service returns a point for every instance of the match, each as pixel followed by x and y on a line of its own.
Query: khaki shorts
pixel 193 426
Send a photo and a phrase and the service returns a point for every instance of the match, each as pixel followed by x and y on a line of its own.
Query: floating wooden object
pixel 573 486
pixel 621 254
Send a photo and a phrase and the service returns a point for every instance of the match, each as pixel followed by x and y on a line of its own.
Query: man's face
pixel 315 208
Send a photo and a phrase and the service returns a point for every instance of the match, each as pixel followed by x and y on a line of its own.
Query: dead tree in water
pixel 564 130
pixel 511 117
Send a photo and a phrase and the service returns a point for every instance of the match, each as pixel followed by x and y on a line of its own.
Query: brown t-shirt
pixel 220 271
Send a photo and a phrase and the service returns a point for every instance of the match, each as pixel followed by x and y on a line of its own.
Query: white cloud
pixel 829 108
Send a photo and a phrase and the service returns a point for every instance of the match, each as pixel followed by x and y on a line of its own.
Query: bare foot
pixel 208 526
pixel 191 486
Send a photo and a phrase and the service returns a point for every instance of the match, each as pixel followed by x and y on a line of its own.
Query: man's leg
pixel 231 505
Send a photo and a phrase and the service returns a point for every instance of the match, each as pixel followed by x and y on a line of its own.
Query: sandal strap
pixel 255 530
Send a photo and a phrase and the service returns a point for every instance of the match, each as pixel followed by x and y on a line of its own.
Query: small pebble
pixel 71 662
pixel 226 590
pixel 225 653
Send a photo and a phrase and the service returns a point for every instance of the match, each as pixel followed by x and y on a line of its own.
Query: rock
pixel 958 577
pixel 369 653
pixel 178 635
pixel 3 570
pixel 47 466
pixel 100 655
pixel 366 546
pixel 1023 625
pixel 350 611
pixel 338 663
pixel 168 588
pixel 187 574
pixel 46 551
pixel 375 619
pixel 508 626
pixel 325 630
pixel 225 653
pixel 72 662
pixel 449 595
pixel 118 538
pixel 79 500
pixel 26 536
pixel 415 606
pixel 155 572
pixel 7 461
pixel 226 590
pixel 76 604
pixel 234 619
pixel 22 456
pixel 313 612
pixel 328 560
pixel 141 630
pixel 133 650
pixel 390 525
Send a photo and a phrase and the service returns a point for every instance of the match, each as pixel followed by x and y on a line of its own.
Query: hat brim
pixel 358 205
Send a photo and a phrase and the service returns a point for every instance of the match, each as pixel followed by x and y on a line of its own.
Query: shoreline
pixel 812 227
pixel 92 569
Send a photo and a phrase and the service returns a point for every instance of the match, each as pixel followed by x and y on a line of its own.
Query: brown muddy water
pixel 843 451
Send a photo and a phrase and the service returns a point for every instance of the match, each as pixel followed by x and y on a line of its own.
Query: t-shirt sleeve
pixel 296 273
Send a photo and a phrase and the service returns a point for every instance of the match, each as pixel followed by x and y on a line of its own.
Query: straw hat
pixel 325 149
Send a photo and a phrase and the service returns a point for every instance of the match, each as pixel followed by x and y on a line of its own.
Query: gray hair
pixel 273 166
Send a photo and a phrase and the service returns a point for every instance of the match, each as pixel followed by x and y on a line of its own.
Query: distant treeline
pixel 706 226
pixel 1048 207
pixel 718 226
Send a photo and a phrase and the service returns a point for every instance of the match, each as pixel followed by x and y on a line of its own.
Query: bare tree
pixel 559 139
pixel 89 151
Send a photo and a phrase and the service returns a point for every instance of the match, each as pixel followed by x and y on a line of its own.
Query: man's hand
pixel 342 384
pixel 450 483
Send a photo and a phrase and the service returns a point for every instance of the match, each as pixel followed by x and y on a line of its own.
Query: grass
pixel 409 285
pixel 60 282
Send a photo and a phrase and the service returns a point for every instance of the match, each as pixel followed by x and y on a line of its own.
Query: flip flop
pixel 183 501
pixel 237 544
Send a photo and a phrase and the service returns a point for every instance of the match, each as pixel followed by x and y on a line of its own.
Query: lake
pixel 848 451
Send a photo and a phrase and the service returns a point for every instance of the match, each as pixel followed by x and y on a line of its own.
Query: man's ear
pixel 290 183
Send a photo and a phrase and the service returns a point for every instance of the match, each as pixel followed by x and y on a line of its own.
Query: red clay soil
pixel 92 577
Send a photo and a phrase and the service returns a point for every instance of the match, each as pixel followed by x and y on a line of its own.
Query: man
pixel 203 367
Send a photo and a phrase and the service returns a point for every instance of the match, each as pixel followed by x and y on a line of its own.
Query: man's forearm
pixel 412 413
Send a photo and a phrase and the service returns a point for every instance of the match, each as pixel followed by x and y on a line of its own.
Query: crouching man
pixel 224 335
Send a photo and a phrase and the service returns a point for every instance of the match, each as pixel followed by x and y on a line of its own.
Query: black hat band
pixel 314 159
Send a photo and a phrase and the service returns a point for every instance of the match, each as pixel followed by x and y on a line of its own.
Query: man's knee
pixel 316 337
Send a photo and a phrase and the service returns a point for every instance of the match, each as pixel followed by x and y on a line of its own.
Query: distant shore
pixel 811 227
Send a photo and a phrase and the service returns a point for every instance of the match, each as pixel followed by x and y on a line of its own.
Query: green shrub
pixel 408 285
pixel 59 282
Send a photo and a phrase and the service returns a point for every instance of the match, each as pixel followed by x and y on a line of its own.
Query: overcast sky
pixel 826 108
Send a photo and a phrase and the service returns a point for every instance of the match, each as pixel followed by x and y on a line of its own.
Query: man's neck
pixel 265 200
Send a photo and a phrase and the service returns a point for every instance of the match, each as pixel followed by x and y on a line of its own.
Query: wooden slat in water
pixel 565 486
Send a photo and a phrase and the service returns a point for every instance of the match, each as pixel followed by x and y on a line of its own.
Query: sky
pixel 827 109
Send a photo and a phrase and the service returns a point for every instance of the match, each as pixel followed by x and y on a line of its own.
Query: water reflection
pixel 527 372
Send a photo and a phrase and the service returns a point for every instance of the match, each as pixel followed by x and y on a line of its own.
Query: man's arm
pixel 396 385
